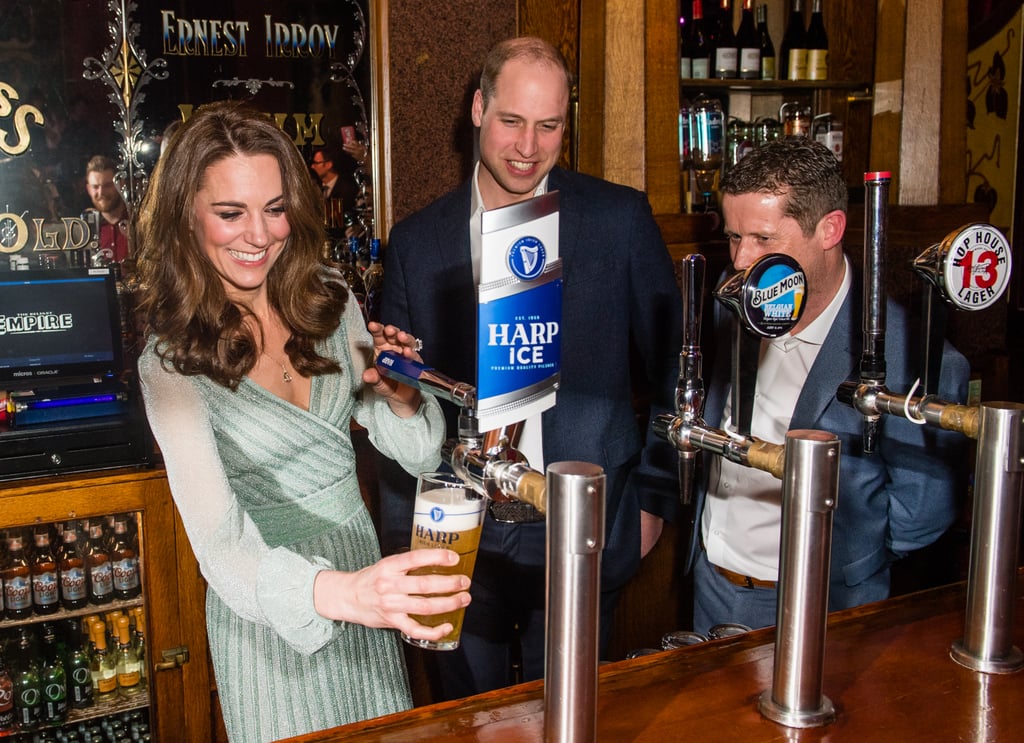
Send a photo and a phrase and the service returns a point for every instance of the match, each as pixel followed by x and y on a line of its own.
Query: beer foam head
pixel 452 509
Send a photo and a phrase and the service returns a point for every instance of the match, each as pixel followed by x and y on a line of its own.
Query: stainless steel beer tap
pixel 971 268
pixel 489 463
pixel 872 360
pixel 690 387
pixel 768 299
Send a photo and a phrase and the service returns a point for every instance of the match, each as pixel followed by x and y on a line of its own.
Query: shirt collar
pixel 818 330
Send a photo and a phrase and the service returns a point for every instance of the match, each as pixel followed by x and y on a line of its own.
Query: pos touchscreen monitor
pixel 58 326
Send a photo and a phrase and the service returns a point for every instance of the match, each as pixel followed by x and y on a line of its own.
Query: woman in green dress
pixel 256 363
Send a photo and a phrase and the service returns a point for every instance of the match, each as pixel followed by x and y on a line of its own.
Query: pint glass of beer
pixel 448 514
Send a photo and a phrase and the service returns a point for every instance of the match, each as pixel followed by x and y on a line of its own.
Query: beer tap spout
pixel 488 463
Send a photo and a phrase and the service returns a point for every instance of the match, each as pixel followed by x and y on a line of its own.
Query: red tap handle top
pixel 878 175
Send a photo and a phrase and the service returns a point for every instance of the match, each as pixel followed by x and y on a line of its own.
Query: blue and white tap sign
pixel 519 312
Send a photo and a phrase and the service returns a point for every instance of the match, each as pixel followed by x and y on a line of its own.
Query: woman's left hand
pixel 403 399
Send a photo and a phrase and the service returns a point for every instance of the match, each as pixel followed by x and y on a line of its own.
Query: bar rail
pixel 888 671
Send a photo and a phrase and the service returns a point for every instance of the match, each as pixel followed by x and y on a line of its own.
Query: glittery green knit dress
pixel 268 495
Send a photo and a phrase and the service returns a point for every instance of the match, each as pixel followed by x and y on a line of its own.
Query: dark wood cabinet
pixel 178 675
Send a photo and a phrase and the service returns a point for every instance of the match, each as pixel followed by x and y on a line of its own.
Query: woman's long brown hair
pixel 182 298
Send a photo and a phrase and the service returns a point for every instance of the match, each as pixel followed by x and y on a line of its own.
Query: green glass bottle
pixel 28 692
pixel 6 698
pixel 53 678
pixel 76 663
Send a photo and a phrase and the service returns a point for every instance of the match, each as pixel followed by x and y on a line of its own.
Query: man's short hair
pixel 524 47
pixel 804 171
pixel 99 163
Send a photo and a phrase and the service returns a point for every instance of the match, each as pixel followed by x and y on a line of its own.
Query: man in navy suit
pixel 621 319
pixel 789 197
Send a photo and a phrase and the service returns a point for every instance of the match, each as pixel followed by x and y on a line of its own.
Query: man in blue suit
pixel 789 197
pixel 621 323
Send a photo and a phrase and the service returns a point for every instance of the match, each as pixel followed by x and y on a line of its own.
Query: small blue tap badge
pixel 773 296
pixel 527 258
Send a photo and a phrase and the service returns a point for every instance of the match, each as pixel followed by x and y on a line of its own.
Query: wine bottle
pixel 77 666
pixel 768 71
pixel 104 666
pixel 129 669
pixel 724 41
pixel 53 678
pixel 749 44
pixel 6 698
pixel 28 690
pixel 793 50
pixel 700 44
pixel 817 45
pixel 685 50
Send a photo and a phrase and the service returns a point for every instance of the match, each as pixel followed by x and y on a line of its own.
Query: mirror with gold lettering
pixel 90 89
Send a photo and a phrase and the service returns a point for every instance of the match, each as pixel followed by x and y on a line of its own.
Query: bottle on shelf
pixel 125 561
pixel 707 135
pixel 749 43
pixel 6 697
pixel 138 626
pixel 76 664
pixel 685 50
pixel 700 44
pixel 28 691
pixel 349 267
pixel 373 282
pixel 817 44
pixel 74 586
pixel 768 66
pixel 724 43
pixel 685 161
pixel 104 664
pixel 53 678
pixel 793 50
pixel 98 566
pixel 129 668
pixel 17 576
pixel 45 585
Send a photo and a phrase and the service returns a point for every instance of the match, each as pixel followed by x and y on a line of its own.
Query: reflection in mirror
pixel 128 71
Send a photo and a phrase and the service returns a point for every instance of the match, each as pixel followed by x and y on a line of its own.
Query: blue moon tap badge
pixel 768 296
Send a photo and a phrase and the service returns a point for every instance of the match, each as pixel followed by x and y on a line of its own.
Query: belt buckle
pixel 514 512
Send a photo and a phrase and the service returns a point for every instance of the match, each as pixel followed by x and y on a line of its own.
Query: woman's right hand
pixel 384 594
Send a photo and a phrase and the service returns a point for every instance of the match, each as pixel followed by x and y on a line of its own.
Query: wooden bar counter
pixel 887 670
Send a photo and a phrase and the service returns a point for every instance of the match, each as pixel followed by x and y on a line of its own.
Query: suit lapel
pixel 570 216
pixel 453 251
pixel 836 362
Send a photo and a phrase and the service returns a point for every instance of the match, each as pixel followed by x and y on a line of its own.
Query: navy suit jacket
pixel 621 313
pixel 898 499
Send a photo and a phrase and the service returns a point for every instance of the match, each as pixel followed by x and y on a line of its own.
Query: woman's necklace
pixel 284 369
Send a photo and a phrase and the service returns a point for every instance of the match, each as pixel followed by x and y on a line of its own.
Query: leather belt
pixel 514 512
pixel 744 581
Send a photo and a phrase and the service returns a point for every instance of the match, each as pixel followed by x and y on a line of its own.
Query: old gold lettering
pixel 202 37
pixel 13 223
pixel 21 114
pixel 291 40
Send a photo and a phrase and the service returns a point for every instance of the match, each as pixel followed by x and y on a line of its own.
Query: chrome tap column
pixel 987 644
pixel 810 488
pixel 575 538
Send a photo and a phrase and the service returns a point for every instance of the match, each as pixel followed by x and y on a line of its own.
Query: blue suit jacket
pixel 620 307
pixel 898 499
